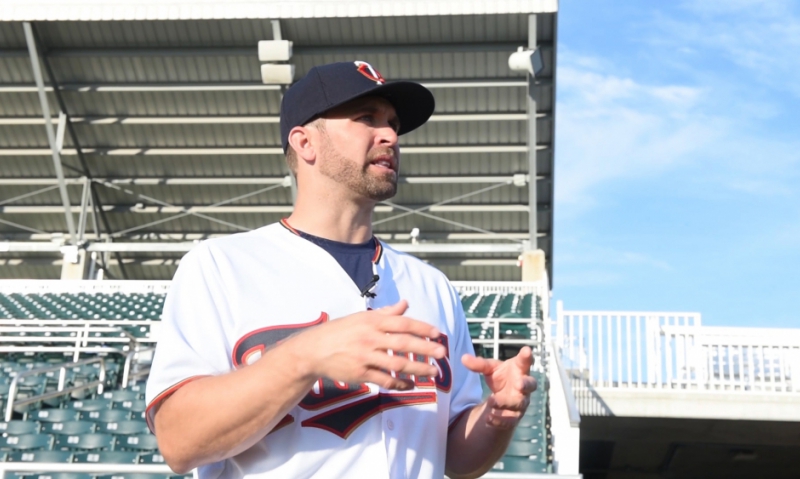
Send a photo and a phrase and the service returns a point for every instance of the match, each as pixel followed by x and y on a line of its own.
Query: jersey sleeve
pixel 191 340
pixel 466 391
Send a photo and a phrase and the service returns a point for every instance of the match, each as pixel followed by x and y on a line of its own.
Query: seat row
pixel 132 306
pixel 79 442
pixel 510 305
pixel 76 475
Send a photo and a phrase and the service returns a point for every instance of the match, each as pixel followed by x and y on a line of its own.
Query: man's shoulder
pixel 412 263
pixel 237 247
pixel 242 241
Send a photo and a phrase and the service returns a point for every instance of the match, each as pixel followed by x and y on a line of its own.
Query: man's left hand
pixel 510 383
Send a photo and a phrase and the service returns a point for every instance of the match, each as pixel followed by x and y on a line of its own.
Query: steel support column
pixel 532 169
pixel 48 125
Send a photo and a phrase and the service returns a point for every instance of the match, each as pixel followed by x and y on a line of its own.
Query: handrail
pixel 496 342
pixel 126 369
pixel 62 369
pixel 92 468
pixel 572 405
pixel 80 341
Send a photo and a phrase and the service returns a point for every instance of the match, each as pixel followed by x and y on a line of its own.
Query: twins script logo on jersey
pixel 369 71
pixel 345 418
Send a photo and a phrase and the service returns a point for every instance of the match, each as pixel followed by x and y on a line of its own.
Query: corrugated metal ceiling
pixel 92 60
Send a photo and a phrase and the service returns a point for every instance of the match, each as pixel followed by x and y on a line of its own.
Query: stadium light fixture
pixel 277 74
pixel 272 51
pixel 530 61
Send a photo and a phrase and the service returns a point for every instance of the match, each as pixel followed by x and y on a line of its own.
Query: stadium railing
pixel 503 317
pixel 659 350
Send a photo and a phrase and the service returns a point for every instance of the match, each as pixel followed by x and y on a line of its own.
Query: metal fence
pixel 615 349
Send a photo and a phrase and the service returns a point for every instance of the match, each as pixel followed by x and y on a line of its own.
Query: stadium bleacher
pixel 87 426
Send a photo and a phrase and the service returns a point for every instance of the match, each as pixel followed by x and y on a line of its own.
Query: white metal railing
pixel 615 349
pixel 36 286
pixel 61 390
pixel 494 326
pixel 9 467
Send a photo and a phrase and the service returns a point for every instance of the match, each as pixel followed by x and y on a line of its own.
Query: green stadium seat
pixel 527 421
pixel 14 428
pixel 90 405
pixel 523 449
pixel 137 405
pixel 525 434
pixel 484 306
pixel 91 441
pixel 25 442
pixel 107 415
pixel 106 457
pixel 138 442
pixel 54 415
pixel 61 475
pixel 68 427
pixel 505 305
pixel 520 465
pixel 39 456
pixel 124 428
pixel 122 395
pixel 151 458
pixel 136 475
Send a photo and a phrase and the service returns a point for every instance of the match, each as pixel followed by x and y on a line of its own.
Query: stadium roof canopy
pixel 169 135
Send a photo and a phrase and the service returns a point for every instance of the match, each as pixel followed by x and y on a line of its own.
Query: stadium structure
pixel 130 131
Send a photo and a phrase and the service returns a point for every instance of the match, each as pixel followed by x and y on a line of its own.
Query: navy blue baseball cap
pixel 327 86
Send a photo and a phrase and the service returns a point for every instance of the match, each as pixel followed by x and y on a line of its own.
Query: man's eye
pixel 365 118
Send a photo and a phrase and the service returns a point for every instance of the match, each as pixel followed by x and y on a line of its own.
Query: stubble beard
pixel 357 178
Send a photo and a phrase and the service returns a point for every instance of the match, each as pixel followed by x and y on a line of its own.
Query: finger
pixel 524 359
pixel 401 364
pixel 403 324
pixel 396 309
pixel 411 344
pixel 479 365
pixel 386 381
pixel 527 385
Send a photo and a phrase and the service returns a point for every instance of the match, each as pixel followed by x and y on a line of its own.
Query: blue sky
pixel 678 159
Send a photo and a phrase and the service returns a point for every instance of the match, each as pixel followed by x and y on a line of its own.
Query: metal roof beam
pixel 176 261
pixel 239 119
pixel 250 209
pixel 188 181
pixel 182 247
pixel 146 151
pixel 386 236
pixel 296 50
pixel 55 151
pixel 513 82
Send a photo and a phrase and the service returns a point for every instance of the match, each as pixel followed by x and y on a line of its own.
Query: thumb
pixel 396 309
pixel 479 365
pixel 524 359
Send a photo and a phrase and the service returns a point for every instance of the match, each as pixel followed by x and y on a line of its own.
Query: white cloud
pixel 612 127
pixel 761 37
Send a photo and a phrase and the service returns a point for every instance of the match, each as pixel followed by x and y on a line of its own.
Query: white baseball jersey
pixel 233 297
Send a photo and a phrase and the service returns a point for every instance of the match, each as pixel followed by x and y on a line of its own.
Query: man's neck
pixel 336 219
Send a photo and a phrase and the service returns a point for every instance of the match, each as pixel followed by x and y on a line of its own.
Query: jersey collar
pixel 378 246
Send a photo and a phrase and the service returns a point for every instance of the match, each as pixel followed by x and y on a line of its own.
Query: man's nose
pixel 387 136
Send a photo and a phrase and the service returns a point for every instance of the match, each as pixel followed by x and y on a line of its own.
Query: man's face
pixel 359 147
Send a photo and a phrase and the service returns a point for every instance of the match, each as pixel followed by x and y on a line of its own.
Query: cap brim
pixel 413 103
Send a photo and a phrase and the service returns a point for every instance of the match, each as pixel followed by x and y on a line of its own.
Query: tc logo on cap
pixel 368 71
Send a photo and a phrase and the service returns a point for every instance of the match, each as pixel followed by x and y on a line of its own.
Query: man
pixel 309 348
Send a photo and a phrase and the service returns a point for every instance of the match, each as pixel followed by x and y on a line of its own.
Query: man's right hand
pixel 354 349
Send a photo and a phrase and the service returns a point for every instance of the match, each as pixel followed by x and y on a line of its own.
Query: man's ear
pixel 301 141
